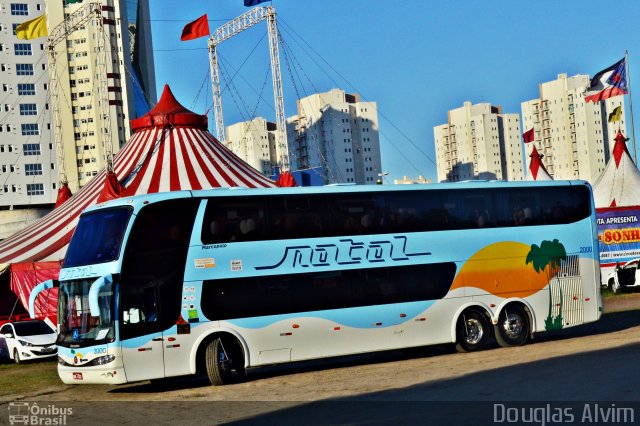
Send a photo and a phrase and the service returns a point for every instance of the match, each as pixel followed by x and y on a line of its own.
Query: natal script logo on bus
pixel 345 252
pixel 81 272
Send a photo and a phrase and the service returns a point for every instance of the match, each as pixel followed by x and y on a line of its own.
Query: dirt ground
pixel 594 362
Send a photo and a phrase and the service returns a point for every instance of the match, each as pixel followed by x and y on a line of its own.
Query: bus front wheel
pixel 472 331
pixel 513 327
pixel 221 358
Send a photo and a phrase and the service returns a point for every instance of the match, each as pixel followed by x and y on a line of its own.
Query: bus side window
pixel 358 214
pixel 299 216
pixel 558 211
pixel 228 221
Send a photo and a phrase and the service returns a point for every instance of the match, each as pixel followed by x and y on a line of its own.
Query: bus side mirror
pixel 37 290
pixel 94 292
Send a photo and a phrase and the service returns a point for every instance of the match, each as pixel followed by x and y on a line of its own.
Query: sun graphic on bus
pixel 502 270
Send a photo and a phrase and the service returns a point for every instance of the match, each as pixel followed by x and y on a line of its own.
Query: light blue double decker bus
pixel 217 282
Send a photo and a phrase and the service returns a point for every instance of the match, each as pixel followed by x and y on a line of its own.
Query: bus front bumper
pixel 92 375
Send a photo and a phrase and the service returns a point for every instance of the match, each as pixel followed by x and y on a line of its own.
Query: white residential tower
pixel 479 142
pixel 28 170
pixel 336 133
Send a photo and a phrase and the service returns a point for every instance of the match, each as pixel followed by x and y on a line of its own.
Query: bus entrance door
pixel 143 354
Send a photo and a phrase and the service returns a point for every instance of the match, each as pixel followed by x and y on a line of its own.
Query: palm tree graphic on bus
pixel 548 258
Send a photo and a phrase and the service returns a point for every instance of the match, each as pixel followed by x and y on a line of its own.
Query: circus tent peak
pixel 619 184
pixel 169 113
pixel 537 171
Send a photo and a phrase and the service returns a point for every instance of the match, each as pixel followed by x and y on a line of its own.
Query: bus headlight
pixel 102 360
pixel 61 361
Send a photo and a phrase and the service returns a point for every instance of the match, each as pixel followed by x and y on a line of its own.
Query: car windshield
pixel 32 328
pixel 77 326
pixel 98 237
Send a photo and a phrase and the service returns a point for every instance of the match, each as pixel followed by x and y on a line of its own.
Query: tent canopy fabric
pixel 286 180
pixel 112 188
pixel 170 150
pixel 619 184
pixel 64 193
pixel 26 275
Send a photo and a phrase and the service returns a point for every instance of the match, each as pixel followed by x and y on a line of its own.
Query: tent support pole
pixel 633 127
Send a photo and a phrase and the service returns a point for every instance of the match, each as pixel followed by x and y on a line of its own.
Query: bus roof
pixel 139 201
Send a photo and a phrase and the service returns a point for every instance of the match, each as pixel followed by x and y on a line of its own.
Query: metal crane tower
pixel 230 29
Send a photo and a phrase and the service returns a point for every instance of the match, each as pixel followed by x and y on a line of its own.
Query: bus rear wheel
pixel 221 359
pixel 472 331
pixel 513 327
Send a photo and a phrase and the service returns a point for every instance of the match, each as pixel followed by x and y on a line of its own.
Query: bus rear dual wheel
pixel 513 328
pixel 473 330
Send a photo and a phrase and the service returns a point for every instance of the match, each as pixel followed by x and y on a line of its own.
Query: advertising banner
pixel 618 235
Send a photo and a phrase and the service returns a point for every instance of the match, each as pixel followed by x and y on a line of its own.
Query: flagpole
pixel 633 127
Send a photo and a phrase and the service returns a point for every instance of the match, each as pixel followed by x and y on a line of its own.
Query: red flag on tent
pixel 286 180
pixel 528 136
pixel 64 193
pixel 196 29
pixel 112 188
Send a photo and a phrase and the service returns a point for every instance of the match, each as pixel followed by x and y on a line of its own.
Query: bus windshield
pixel 98 237
pixel 77 326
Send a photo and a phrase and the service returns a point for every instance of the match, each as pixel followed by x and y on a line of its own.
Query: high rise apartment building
pixel 96 81
pixel 479 142
pixel 254 142
pixel 28 170
pixel 573 136
pixel 337 133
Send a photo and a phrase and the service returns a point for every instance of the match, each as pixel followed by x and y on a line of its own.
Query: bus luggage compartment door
pixel 274 356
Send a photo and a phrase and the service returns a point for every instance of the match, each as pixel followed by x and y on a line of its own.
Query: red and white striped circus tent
pixel 170 150
pixel 537 171
pixel 619 184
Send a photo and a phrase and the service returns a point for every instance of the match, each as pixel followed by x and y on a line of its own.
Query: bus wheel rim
pixel 223 362
pixel 513 326
pixel 474 330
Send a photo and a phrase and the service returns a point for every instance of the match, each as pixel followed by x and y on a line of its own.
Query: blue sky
pixel 416 59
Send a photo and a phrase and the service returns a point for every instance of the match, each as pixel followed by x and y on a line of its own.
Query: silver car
pixel 27 340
